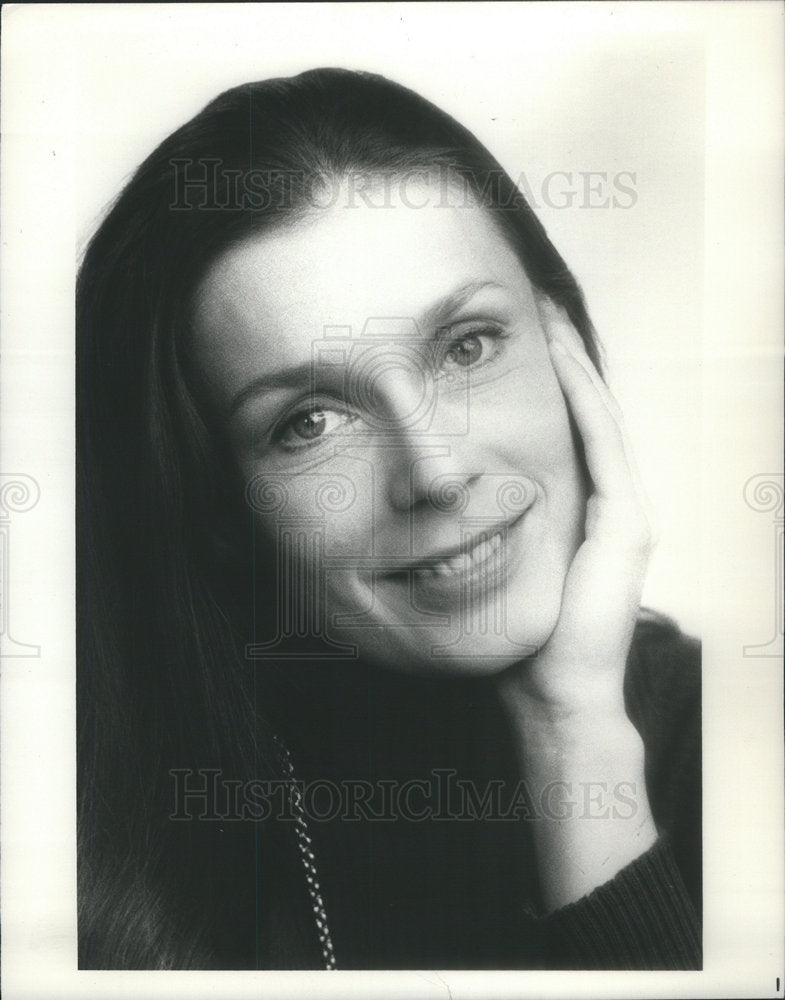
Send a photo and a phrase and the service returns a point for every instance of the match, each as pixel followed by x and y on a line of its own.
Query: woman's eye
pixel 308 426
pixel 464 352
pixel 473 349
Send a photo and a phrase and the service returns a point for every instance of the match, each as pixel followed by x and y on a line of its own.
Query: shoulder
pixel 662 690
pixel 663 678
pixel 663 698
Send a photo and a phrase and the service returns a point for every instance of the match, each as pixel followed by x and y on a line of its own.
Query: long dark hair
pixel 163 561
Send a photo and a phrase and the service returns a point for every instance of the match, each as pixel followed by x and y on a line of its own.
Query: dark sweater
pixel 453 883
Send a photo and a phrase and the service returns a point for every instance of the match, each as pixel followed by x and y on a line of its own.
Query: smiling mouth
pixel 468 557
pixel 478 555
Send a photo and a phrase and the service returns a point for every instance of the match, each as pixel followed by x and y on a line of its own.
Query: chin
pixel 495 614
pixel 474 650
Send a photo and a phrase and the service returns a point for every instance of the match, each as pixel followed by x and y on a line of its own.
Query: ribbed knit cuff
pixel 643 918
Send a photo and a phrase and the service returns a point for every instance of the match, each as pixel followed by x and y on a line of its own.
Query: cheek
pixel 320 512
pixel 528 417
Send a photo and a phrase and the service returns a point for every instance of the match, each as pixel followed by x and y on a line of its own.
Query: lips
pixel 473 571
pixel 470 556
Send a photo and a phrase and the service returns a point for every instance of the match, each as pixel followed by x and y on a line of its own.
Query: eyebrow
pixel 437 314
pixel 446 307
pixel 280 379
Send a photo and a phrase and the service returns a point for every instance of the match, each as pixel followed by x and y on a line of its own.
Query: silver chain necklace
pixel 307 857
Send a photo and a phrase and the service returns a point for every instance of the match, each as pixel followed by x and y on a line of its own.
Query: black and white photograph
pixel 392 434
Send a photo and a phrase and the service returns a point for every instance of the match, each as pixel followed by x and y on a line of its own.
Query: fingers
pixel 558 327
pixel 600 431
pixel 609 453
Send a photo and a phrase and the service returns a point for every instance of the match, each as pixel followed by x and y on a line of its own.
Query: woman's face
pixel 386 385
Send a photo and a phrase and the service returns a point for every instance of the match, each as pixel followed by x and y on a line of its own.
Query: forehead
pixel 264 302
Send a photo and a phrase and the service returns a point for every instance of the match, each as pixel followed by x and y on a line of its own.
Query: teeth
pixel 464 561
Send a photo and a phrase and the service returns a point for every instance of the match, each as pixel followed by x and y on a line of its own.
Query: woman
pixel 357 509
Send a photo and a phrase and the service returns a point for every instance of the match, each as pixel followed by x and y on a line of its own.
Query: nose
pixel 425 465
pixel 423 448
pixel 425 474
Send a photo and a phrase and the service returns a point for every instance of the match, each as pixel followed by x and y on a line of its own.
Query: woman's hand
pixel 581 668
pixel 567 702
